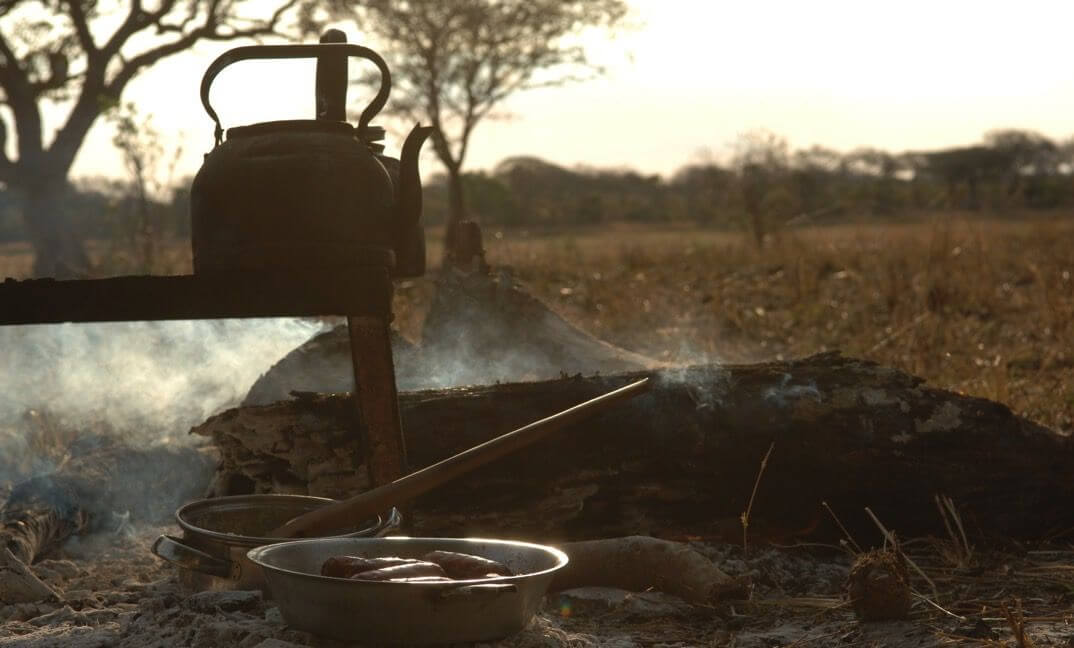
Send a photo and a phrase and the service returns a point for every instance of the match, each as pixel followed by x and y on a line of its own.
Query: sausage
pixel 424 579
pixel 347 566
pixel 414 569
pixel 465 566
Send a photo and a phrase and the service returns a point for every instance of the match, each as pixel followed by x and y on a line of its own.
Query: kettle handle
pixel 249 52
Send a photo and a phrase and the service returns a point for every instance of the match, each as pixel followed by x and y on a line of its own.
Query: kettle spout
pixel 408 212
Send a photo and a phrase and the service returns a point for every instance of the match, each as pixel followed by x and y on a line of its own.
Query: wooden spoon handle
pixel 371 502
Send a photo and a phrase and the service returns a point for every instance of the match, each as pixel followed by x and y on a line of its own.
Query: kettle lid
pixel 369 135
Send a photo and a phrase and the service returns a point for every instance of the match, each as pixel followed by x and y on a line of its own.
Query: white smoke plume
pixel 148 381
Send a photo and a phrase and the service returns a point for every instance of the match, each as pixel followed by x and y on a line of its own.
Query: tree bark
pixel 683 459
pixel 456 211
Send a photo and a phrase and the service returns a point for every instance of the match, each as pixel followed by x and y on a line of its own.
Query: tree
pixel 79 56
pixel 1028 152
pixel 139 141
pixel 819 177
pixel 704 188
pixel 761 159
pixel 454 62
pixel 967 166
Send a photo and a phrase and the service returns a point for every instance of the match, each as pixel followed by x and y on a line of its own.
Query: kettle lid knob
pixel 331 84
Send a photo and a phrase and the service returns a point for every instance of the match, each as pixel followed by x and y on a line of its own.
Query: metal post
pixel 377 400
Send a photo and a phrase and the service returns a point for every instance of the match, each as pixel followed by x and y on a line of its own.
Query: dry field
pixel 975 306
pixel 983 308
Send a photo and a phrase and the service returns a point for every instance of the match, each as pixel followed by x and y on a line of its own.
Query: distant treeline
pixel 107 209
pixel 763 185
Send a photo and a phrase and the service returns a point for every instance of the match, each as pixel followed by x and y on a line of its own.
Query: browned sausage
pixel 424 579
pixel 347 566
pixel 465 566
pixel 410 570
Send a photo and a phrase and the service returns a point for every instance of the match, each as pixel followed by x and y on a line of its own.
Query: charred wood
pixel 99 483
pixel 682 460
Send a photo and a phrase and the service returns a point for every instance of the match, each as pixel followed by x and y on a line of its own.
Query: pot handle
pixel 182 555
pixel 248 52
pixel 390 525
pixel 480 589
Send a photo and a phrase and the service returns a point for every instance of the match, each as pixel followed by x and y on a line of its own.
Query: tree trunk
pixel 58 247
pixel 456 213
pixel 683 459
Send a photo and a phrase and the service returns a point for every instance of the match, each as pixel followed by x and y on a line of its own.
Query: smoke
pixel 146 382
pixel 785 392
pixel 706 382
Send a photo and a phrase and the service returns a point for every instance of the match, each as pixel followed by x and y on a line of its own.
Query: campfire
pixel 815 501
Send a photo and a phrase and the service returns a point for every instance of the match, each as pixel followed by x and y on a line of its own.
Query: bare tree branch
pixel 6 166
pixel 457 61
pixel 81 25
pixel 134 21
pixel 36 67
pixel 20 97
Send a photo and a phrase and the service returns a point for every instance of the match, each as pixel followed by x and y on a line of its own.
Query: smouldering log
pixel 100 479
pixel 683 459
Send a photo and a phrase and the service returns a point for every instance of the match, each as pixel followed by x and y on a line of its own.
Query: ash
pixel 114 593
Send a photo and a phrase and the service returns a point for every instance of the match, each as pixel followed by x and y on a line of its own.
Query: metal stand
pixel 364 293
pixel 376 398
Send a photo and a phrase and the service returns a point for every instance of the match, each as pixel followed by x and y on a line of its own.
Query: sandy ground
pixel 115 593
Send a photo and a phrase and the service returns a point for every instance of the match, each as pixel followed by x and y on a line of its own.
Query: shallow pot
pixel 412 613
pixel 218 532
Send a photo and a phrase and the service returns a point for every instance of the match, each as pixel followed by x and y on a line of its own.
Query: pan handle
pixel 479 589
pixel 182 555
pixel 391 524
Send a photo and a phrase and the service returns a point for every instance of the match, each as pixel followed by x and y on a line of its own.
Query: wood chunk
pixel 18 584
pixel 682 459
pixel 639 563
pixel 103 478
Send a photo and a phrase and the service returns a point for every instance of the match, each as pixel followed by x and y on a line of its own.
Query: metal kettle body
pixel 308 196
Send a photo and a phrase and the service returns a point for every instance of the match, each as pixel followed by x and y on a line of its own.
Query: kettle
pixel 308 196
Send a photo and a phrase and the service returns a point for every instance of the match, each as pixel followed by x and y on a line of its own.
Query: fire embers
pixel 879 586
pixel 433 566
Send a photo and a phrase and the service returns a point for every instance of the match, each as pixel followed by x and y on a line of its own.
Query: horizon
pixel 834 74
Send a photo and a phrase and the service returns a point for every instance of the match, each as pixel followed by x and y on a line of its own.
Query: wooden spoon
pixel 370 503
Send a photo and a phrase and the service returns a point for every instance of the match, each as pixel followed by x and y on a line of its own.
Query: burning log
pixel 683 460
pixel 99 482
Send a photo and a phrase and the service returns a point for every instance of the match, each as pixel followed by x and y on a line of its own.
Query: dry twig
pixel 1017 622
pixel 951 521
pixel 745 517
pixel 850 538
pixel 890 537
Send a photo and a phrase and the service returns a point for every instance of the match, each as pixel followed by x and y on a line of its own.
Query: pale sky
pixel 906 75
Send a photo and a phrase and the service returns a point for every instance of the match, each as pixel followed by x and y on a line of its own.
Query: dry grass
pixel 980 307
pixel 983 308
